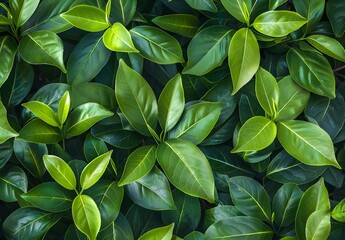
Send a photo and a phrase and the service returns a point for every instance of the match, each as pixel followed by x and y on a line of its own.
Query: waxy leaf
pixel 123 10
pixel 86 216
pixel 48 48
pixel 219 213
pixel 318 225
pixel 328 46
pixel 163 233
pixel 334 10
pixel 94 170
pixel 338 212
pixel 60 171
pixel 93 147
pixel 255 134
pixel 43 112
pixel 273 4
pixel 6 131
pixel 21 10
pixel 278 23
pixel 88 18
pixel 239 9
pixel 63 108
pixel 307 142
pixel 206 5
pixel 171 103
pixel 117 38
pixel 136 99
pixel 8 49
pixel 12 179
pixel 187 168
pixel 311 71
pixel 215 41
pixel 250 197
pixel 156 45
pixel 243 58
pixel 120 228
pixel 37 131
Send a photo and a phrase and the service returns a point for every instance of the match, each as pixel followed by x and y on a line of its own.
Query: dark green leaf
pixel 37 131
pixel 93 147
pixel 8 49
pixel 119 229
pixel 206 5
pixel 123 10
pixel 194 236
pixel 219 213
pixel 21 10
pixel 6 151
pixel 74 233
pixel 334 10
pixel 12 179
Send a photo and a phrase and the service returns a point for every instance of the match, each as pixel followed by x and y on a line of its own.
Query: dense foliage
pixel 161 119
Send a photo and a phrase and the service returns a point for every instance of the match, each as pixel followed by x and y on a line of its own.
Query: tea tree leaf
pixel 117 38
pixel 136 99
pixel 278 23
pixel 6 131
pixel 307 142
pixel 164 233
pixel 37 131
pixel 43 112
pixel 60 171
pixel 86 216
pixel 255 134
pixel 8 49
pixel 87 18
pixel 243 58
pixel 187 168
pixel 48 48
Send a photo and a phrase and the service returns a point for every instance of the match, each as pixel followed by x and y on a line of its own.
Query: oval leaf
pixel 63 108
pixel 163 233
pixel 43 112
pixel 6 131
pixel 318 225
pixel 37 131
pixel 206 5
pixel 12 179
pixel 8 49
pixel 117 38
pixel 328 46
pixel 338 212
pixel 123 11
pixel 239 9
pixel 22 10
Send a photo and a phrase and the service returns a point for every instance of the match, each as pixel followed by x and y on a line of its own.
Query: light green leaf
pixel 138 164
pixel 292 99
pixel 267 91
pixel 328 46
pixel 243 58
pixel 4 20
pixel 307 142
pixel 161 233
pixel 86 216
pixel 46 45
pixel 187 168
pixel 338 212
pixel 311 71
pixel 273 4
pixel 84 117
pixel 117 38
pixel 12 179
pixel 183 24
pixel 21 10
pixel 87 18
pixel 8 49
pixel 63 108
pixel 43 112
pixel 255 134
pixel 136 99
pixel 237 9
pixel 156 45
pixel 318 225
pixel 215 41
pixel 94 170
pixel 278 23
pixel 171 103
pixel 60 171
pixel 206 5
pixel 6 131
pixel 37 131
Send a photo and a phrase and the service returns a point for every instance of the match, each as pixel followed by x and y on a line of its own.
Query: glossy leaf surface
pixel 238 9
pixel 8 49
pixel 117 38
pixel 12 179
pixel 328 46
pixel 164 233
pixel 6 131
pixel 37 131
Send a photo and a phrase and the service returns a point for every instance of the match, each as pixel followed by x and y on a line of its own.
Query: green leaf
pixel 292 99
pixel 123 11
pixel 93 147
pixel 312 11
pixel 334 10
pixel 278 23
pixel 285 203
pixel 156 45
pixel 117 38
pixel 240 227
pixel 206 5
pixel 338 212
pixel 86 216
pixel 73 233
pixel 215 41
pixel 8 49
pixel 6 151
pixel 6 131
pixel 328 46
pixel 30 156
pixel 238 9
pixel 152 191
pixel 161 233
pixel 273 4
pixel 219 213
pixel 267 91
pixel 243 58
pixel 87 59
pixel 48 48
pixel 196 122
pixel 256 133
pixel 318 225
pixel 49 196
pixel 60 171
pixel 315 198
pixel 183 24
pixel 187 168
pixel 118 229
pixel 250 197
pixel 43 112
pixel 138 164
pixel 312 71
pixel 4 20
pixel 94 170
pixel 136 99
pixel 63 108
pixel 12 179
pixel 29 223
pixel 87 18
pixel 171 103
pixel 21 10
pixel 307 142
pixel 84 117
pixel 37 131
pixel 194 236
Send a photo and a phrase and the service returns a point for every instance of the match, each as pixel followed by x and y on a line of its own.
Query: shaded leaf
pixel 12 179
pixel 8 49
pixel 6 131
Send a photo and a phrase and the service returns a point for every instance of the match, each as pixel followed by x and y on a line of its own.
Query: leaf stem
pixel 339 68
